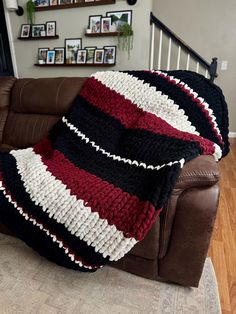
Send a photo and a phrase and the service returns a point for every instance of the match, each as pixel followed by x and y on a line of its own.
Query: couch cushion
pixel 23 130
pixel 6 84
pixel 45 95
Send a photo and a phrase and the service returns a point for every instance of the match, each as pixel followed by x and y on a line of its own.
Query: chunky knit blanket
pixel 87 193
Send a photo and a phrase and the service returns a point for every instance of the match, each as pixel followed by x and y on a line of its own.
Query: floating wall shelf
pixel 38 38
pixel 102 34
pixel 76 65
pixel 74 5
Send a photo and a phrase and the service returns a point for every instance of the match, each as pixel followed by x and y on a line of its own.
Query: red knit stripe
pixel 131 116
pixel 119 208
pixel 76 257
pixel 194 99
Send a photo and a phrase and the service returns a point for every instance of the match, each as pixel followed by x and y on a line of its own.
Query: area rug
pixel 31 284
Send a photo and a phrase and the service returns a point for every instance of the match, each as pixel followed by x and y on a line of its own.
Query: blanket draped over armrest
pixel 87 193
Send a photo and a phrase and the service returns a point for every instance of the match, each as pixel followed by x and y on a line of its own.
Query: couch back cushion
pixel 36 105
pixel 6 84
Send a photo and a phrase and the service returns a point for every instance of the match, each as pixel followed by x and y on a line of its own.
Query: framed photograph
pixel 95 23
pixel 52 2
pixel 72 45
pixel 90 54
pixel 41 3
pixel 51 28
pixel 37 29
pixel 65 1
pixel 105 24
pixel 79 1
pixel 81 56
pixel 99 56
pixel 119 18
pixel 89 0
pixel 59 55
pixel 42 55
pixel 110 54
pixel 50 57
pixel 25 30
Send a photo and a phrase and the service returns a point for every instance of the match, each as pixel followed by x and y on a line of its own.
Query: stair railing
pixel 210 68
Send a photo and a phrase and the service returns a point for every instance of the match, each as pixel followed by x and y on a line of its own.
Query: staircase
pixel 172 53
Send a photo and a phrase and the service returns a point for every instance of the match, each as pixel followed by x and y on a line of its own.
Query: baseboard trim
pixel 232 134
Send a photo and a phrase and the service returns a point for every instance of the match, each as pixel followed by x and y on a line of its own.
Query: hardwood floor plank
pixel 223 244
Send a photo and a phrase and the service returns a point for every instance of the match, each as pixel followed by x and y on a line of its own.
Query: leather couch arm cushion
pixel 201 171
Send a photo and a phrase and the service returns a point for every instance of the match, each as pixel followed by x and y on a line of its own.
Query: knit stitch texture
pixel 92 189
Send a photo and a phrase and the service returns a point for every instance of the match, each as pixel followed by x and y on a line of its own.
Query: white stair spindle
pixel 178 58
pixel 197 67
pixel 160 50
pixel 152 47
pixel 188 60
pixel 169 54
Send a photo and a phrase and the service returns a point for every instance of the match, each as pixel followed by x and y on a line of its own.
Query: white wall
pixel 209 27
pixel 71 24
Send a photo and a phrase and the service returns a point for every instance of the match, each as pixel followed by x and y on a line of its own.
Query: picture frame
pixel 41 3
pixel 62 2
pixel 50 57
pixel 37 29
pixel 25 31
pixel 51 28
pixel 53 2
pixel 106 24
pixel 72 45
pixel 95 23
pixel 119 18
pixel 89 0
pixel 99 56
pixel 110 54
pixel 81 56
pixel 42 55
pixel 90 54
pixel 59 55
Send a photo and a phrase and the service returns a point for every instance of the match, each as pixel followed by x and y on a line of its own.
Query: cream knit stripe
pixel 195 96
pixel 45 230
pixel 146 97
pixel 115 157
pixel 56 200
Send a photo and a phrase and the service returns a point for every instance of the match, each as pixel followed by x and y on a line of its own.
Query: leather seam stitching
pixel 58 90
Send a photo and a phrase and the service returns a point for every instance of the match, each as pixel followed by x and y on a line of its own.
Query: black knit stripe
pixel 131 179
pixel 212 95
pixel 34 237
pixel 116 139
pixel 184 101
pixel 15 185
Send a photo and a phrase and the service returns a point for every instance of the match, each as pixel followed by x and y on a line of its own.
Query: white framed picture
pixel 59 55
pixel 25 30
pixel 51 28
pixel 50 57
pixel 110 54
pixel 106 24
pixel 72 45
pixel 81 56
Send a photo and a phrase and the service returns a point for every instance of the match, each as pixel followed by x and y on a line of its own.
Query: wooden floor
pixel 223 244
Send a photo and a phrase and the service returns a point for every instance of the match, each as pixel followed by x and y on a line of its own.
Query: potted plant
pixel 30 7
pixel 126 38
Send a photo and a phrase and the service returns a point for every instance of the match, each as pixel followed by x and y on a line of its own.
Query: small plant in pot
pixel 126 38
pixel 30 8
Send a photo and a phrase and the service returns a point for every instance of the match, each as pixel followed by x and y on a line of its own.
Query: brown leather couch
pixel 175 248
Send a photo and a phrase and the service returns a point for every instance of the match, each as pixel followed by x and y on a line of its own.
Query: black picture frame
pixel 81 59
pixel 71 54
pixel 89 56
pixel 93 26
pixel 48 31
pixel 42 3
pixel 25 31
pixel 41 56
pixel 101 60
pixel 36 30
pixel 113 13
pixel 106 58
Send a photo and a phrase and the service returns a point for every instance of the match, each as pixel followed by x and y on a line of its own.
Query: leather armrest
pixel 201 171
